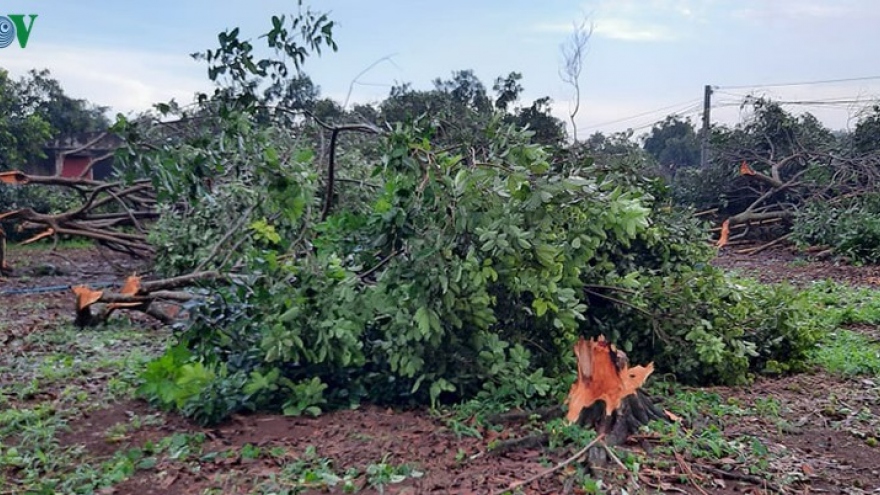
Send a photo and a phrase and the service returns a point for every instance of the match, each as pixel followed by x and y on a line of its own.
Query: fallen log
pixel 137 296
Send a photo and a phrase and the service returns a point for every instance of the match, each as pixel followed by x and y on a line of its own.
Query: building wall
pixel 74 166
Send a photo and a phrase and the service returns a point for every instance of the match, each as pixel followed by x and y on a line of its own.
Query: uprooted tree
pixel 115 213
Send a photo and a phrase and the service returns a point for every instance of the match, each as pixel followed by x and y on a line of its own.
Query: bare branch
pixel 573 53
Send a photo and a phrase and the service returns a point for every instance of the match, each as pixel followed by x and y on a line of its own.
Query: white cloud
pixel 806 10
pixel 614 28
pixel 630 20
pixel 631 30
pixel 125 80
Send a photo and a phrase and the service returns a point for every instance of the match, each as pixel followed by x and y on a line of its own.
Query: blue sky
pixel 644 55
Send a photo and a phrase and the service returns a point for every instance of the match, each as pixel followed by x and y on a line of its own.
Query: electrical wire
pixel 688 104
pixel 685 113
pixel 695 106
pixel 803 83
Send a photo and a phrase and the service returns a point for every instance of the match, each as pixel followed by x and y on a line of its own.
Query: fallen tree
pixel 766 200
pixel 115 214
pixel 137 296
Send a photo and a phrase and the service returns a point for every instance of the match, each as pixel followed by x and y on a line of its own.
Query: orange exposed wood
pixel 744 169
pixel 600 377
pixel 85 297
pixel 13 177
pixel 131 286
pixel 41 235
pixel 725 234
pixel 9 214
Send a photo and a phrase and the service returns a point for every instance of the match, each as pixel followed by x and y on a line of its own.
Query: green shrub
pixel 850 226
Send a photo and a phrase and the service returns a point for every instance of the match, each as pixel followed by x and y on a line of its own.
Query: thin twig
pixel 687 469
pixel 378 265
pixel 622 302
pixel 620 463
pixel 235 228
pixel 577 455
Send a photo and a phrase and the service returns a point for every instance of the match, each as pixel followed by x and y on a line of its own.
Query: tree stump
pixel 5 269
pixel 606 395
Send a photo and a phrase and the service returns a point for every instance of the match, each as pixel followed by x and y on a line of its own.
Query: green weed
pixel 848 353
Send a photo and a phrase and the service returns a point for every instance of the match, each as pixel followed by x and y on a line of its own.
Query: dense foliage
pixel 850 225
pixel 437 272
pixel 35 109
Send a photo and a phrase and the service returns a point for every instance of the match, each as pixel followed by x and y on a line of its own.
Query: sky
pixel 646 58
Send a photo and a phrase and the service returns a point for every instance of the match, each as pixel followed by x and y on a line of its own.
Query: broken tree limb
pixel 181 281
pixel 136 295
pixel 762 247
pixel 335 131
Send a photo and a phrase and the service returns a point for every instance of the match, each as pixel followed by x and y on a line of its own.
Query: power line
pixel 693 111
pixel 822 102
pixel 689 103
pixel 831 99
pixel 694 106
pixel 803 83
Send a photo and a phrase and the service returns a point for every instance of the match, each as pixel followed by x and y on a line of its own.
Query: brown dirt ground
pixel 817 440
pixel 785 265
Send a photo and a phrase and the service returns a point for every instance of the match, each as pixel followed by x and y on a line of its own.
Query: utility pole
pixel 704 145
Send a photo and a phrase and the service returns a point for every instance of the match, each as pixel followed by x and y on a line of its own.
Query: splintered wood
pixel 137 295
pixel 603 375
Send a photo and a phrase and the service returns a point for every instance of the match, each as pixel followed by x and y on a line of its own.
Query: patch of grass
pixel 711 444
pixel 308 472
pixel 122 431
pixel 383 473
pixel 837 304
pixel 848 353
pixel 697 405
pixel 841 351
pixel 58 373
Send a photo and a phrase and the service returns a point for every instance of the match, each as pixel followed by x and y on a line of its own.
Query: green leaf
pixel 423 321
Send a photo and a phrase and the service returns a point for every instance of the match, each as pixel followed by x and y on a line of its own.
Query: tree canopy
pixel 34 110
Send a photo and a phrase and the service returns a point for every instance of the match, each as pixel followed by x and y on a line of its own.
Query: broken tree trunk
pixel 4 266
pixel 606 395
pixel 137 296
